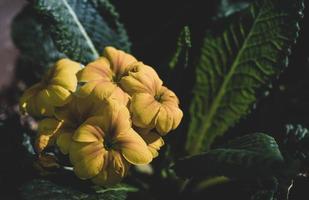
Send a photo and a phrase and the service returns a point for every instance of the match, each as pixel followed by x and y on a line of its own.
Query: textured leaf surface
pixel 37 49
pixel 254 155
pixel 81 29
pixel 237 61
pixel 39 189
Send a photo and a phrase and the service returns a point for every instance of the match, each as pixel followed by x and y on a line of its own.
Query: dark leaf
pixel 238 61
pixel 253 155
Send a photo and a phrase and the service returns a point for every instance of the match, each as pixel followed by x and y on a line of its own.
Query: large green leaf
pixel 235 62
pixel 81 29
pixel 253 155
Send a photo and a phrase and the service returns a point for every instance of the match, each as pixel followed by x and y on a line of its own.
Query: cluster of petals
pixel 106 116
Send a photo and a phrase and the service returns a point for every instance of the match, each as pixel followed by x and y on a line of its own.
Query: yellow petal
pixel 58 95
pixel 35 101
pixel 119 60
pixel 89 133
pixel 120 96
pixel 168 119
pixel 87 158
pixel 115 168
pixel 64 74
pixel 116 118
pixel 168 97
pixel 95 71
pixel 142 79
pixel 42 104
pixel 144 109
pixel 153 140
pixel 164 120
pixel 87 88
pixel 28 94
pixel 104 90
pixel 64 140
pixel 47 131
pixel 133 147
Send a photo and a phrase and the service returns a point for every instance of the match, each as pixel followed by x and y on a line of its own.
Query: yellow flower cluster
pixel 106 116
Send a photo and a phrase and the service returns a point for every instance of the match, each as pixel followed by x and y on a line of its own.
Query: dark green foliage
pixel 182 49
pixel 237 61
pixel 79 29
pixel 37 49
pixel 296 142
pixel 228 7
pixel 267 192
pixel 39 189
pixel 253 155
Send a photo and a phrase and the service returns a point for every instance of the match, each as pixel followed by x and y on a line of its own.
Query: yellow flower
pixel 54 90
pixel 141 79
pixel 104 146
pixel 153 140
pixel 102 76
pixel 68 118
pixel 72 115
pixel 152 105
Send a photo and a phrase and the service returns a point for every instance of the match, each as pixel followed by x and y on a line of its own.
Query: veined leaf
pixel 253 155
pixel 237 61
pixel 80 29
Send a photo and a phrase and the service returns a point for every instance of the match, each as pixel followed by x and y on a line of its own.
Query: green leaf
pixel 253 155
pixel 39 189
pixel 81 29
pixel 236 62
pixel 228 7
pixel 36 47
pixel 296 143
pixel 182 49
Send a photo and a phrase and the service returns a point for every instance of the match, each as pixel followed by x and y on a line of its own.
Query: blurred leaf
pixel 37 49
pixel 253 155
pixel 39 189
pixel 81 29
pixel 182 50
pixel 229 7
pixel 296 142
pixel 237 61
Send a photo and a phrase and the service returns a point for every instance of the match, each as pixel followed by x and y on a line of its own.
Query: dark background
pixel 153 27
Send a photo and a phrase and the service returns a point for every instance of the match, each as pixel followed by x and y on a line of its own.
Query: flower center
pixel 108 143
pixel 158 97
pixel 116 79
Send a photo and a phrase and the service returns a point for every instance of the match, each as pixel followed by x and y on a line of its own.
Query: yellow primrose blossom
pixel 153 140
pixel 152 105
pixel 141 79
pixel 73 115
pixel 102 76
pixel 54 90
pixel 68 118
pixel 104 146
